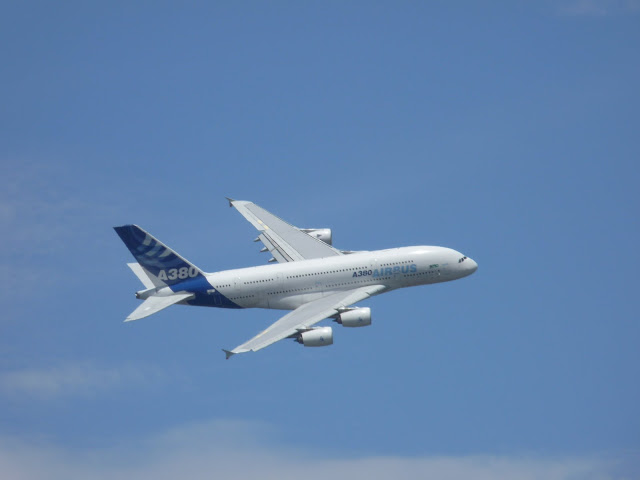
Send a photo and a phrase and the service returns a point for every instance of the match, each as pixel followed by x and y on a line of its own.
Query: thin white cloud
pixel 36 211
pixel 43 214
pixel 71 380
pixel 590 8
pixel 243 450
pixel 598 8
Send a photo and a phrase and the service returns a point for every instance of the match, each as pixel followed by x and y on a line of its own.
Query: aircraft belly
pixel 262 303
pixel 287 303
pixel 246 301
pixel 212 300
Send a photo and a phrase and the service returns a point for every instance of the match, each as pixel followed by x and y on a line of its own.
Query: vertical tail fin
pixel 162 265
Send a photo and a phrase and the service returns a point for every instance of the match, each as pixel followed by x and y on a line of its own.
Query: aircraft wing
pixel 154 304
pixel 285 242
pixel 305 316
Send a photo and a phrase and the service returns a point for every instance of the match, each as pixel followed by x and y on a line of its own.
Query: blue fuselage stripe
pixel 205 294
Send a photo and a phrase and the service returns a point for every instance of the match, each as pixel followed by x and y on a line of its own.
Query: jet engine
pixel 323 234
pixel 358 317
pixel 316 337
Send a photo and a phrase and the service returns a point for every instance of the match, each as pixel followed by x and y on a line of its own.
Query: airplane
pixel 312 278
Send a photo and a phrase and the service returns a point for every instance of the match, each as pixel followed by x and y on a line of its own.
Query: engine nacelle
pixel 323 234
pixel 358 317
pixel 317 337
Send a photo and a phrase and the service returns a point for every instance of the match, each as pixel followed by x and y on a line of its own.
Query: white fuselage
pixel 287 286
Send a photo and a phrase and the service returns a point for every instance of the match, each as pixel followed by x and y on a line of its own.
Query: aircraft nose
pixel 472 265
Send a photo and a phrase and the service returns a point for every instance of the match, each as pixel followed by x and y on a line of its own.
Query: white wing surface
pixel 154 304
pixel 304 317
pixel 285 242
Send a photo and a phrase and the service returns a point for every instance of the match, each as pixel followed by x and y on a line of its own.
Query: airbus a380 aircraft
pixel 313 279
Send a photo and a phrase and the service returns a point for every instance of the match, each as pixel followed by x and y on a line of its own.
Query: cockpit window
pixel 462 259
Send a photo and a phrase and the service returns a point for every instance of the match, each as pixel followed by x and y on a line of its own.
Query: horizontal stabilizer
pixel 154 304
pixel 141 274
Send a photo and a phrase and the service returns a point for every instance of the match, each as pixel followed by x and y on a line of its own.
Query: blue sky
pixel 507 131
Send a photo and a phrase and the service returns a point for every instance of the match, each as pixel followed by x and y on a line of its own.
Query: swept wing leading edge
pixel 285 242
pixel 305 317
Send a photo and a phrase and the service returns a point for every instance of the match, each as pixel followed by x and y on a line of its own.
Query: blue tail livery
pixel 163 266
